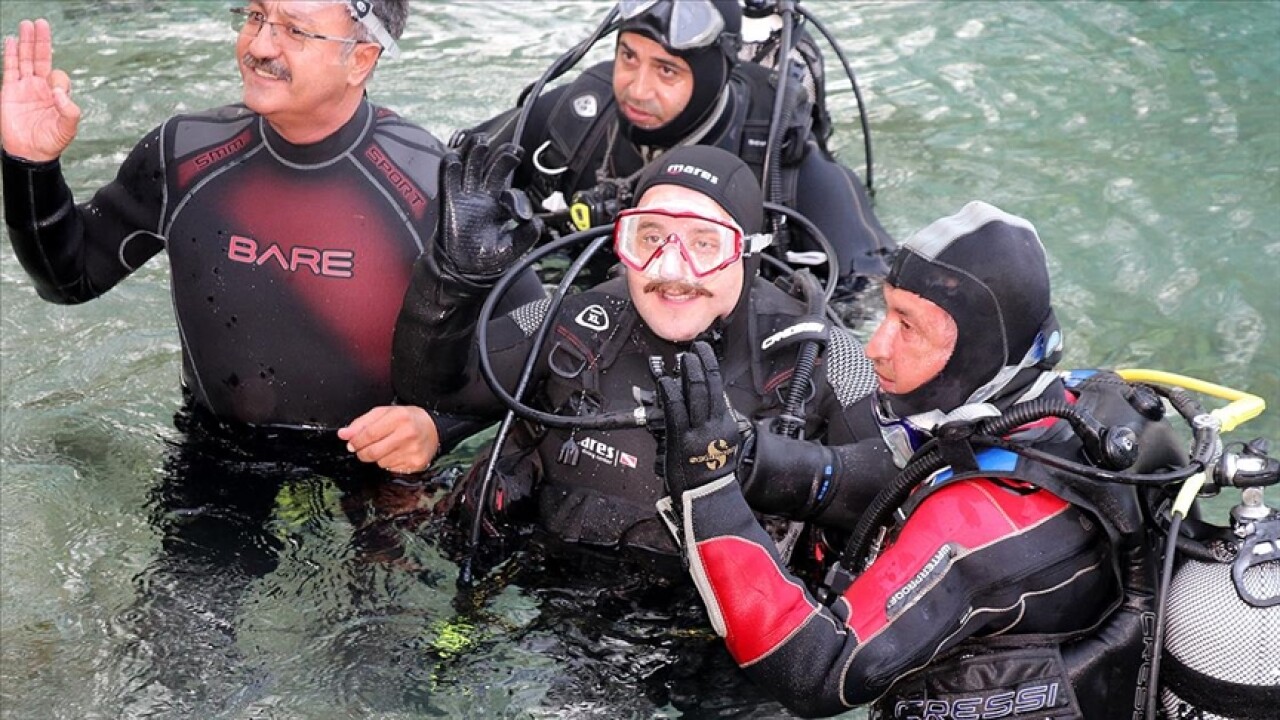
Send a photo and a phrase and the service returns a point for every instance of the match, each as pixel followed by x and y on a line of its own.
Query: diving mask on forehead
pixel 362 12
pixel 641 235
pixel 689 23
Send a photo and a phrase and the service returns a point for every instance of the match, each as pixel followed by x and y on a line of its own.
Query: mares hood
pixel 710 66
pixel 987 269
pixel 726 179
pixel 716 173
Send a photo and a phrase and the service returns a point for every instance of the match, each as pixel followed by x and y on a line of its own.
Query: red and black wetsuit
pixel 996 598
pixel 288 263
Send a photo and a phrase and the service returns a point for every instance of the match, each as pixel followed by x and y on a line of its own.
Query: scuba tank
pixel 1222 639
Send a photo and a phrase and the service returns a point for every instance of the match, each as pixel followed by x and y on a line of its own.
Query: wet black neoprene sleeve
pixel 76 253
pixel 804 480
pixel 40 213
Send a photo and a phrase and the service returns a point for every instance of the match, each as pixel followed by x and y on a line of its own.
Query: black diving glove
pixel 806 480
pixel 486 225
pixel 787 476
pixel 701 436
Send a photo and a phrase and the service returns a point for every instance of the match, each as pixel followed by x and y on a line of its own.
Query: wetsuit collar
pixel 328 150
pixel 734 336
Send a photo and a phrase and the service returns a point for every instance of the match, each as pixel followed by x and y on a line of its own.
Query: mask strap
pixel 362 12
pixel 756 242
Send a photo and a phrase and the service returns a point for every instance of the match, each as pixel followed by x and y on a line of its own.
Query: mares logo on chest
pixel 603 452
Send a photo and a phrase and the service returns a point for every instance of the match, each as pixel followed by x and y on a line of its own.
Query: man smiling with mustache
pixel 290 222
pixel 689 249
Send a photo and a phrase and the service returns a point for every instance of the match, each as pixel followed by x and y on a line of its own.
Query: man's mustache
pixel 677 287
pixel 271 67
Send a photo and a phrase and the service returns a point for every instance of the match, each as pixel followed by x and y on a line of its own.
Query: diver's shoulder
pixel 232 125
pixel 390 124
pixel 236 115
pixel 850 373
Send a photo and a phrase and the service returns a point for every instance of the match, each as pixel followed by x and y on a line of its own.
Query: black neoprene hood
pixel 718 174
pixel 710 66
pixel 987 269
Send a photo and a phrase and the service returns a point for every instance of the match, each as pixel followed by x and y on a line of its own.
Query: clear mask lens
pixel 693 25
pixel 641 236
pixel 689 23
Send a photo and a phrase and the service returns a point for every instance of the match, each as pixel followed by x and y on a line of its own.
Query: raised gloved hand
pixel 486 225
pixel 701 437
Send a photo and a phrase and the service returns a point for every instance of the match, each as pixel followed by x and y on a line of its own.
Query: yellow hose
pixel 1242 407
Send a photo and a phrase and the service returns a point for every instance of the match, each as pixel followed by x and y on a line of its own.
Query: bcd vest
pixel 600 486
pixel 580 124
pixel 1098 673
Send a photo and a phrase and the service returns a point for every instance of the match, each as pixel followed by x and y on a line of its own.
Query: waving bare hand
pixel 38 120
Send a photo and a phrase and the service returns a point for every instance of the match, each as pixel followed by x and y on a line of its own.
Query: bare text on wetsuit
pixel 326 263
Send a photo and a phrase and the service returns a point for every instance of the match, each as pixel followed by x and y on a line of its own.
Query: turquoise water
pixel 1142 139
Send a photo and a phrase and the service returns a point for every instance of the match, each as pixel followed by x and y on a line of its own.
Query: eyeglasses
pixel 640 235
pixel 290 36
pixel 689 23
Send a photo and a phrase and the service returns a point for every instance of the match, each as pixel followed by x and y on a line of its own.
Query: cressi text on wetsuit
pixel 1014 591
pixel 288 262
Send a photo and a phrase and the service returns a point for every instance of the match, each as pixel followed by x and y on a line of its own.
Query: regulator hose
pixel 561 65
pixel 465 574
pixel 833 266
pixel 1107 446
pixel 780 113
pixel 857 94
pixel 791 420
pixel 603 421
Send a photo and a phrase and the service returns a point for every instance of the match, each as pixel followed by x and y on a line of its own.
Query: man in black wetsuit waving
pixel 290 221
